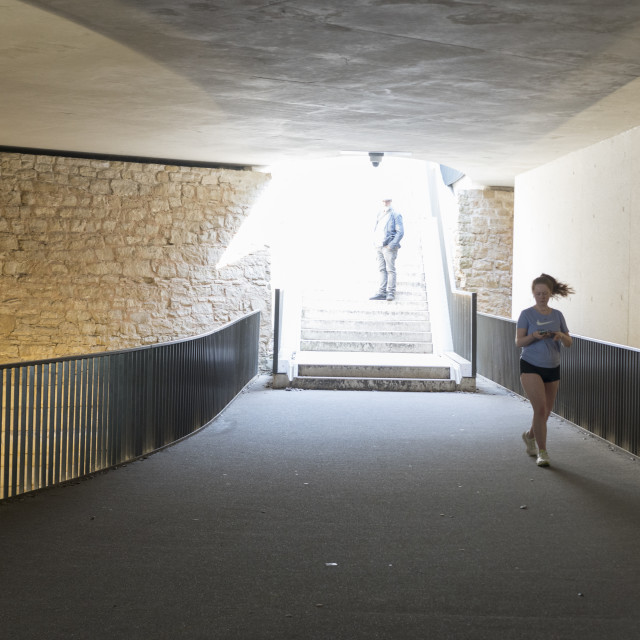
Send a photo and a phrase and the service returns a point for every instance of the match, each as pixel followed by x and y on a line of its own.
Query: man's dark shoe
pixel 390 297
pixel 378 296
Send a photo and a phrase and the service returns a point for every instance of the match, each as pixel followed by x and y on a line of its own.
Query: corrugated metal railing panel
pixel 66 418
pixel 600 381
pixel 600 391
pixel 498 355
pixel 464 326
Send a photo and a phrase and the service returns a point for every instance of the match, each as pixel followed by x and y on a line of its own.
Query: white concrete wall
pixel 578 219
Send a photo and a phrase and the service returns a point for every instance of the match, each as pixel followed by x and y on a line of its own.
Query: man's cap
pixel 385 199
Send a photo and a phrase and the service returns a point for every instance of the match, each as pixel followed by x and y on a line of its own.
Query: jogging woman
pixel 541 331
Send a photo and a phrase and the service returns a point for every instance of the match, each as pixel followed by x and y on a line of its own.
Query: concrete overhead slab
pixel 347 515
pixel 490 88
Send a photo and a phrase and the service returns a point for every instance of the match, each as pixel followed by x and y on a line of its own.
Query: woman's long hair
pixel 557 288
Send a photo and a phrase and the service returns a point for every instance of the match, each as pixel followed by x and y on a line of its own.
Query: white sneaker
pixel 532 448
pixel 543 459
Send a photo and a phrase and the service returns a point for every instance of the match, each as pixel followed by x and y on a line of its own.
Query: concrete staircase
pixel 351 342
pixel 367 326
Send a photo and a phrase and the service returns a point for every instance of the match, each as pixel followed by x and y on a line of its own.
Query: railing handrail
pixel 573 335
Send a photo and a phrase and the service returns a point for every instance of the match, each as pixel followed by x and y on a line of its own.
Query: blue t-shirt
pixel 545 352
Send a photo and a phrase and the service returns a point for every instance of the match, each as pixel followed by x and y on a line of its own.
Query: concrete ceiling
pixel 493 87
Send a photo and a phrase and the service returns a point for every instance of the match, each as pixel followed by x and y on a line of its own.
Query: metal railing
pixel 498 356
pixel 600 380
pixel 66 418
pixel 464 327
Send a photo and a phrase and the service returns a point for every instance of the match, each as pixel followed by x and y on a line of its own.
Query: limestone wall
pixel 100 255
pixel 483 253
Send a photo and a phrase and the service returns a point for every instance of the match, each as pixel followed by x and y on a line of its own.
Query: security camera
pixel 375 157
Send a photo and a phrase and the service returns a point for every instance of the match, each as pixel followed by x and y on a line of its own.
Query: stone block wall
pixel 483 255
pixel 99 255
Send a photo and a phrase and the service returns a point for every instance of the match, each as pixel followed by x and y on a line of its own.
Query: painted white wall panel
pixel 578 218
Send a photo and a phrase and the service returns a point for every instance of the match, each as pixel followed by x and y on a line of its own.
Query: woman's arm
pixel 565 338
pixel 523 340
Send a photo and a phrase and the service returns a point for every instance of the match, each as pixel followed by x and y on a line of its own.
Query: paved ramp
pixel 337 515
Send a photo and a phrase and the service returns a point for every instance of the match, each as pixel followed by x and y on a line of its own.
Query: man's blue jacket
pixel 394 230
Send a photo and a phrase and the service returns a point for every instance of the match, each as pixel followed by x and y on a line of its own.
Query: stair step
pixel 381 347
pixel 394 315
pixel 373 371
pixel 366 325
pixel 362 335
pixel 407 292
pixel 398 305
pixel 373 384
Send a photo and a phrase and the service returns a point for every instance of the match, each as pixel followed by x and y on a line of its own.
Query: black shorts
pixel 547 375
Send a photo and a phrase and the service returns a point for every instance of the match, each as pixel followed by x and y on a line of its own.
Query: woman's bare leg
pixel 541 396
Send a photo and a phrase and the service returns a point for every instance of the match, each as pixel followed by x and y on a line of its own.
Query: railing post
pixel 474 334
pixel 277 328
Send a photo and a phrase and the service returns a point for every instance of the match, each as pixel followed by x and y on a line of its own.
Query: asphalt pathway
pixel 337 515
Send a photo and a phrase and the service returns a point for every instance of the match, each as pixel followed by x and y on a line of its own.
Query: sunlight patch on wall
pixel 254 233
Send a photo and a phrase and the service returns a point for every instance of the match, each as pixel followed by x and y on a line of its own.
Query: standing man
pixel 387 234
